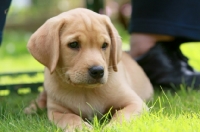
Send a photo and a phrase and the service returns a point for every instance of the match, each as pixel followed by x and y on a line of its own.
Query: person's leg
pixel 157 30
pixel 142 43
pixel 4 6
pixel 166 17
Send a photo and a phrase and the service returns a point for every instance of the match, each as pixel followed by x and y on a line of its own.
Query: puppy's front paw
pixel 85 127
pixel 31 109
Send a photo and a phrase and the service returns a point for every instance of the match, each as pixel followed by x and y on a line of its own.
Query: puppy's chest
pixel 87 105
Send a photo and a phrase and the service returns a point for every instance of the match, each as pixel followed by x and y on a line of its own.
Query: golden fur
pixel 70 93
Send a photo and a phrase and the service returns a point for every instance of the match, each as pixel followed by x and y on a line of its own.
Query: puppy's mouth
pixel 93 77
pixel 89 82
pixel 85 82
pixel 96 81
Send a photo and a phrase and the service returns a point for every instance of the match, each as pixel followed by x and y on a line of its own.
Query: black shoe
pixel 166 66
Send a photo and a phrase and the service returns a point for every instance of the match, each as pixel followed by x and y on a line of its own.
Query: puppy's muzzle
pixel 96 72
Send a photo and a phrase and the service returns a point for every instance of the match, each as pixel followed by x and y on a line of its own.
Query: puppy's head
pixel 80 45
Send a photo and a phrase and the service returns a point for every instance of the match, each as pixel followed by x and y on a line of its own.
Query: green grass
pixel 14 54
pixel 174 112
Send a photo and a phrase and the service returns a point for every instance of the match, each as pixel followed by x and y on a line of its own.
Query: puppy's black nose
pixel 96 72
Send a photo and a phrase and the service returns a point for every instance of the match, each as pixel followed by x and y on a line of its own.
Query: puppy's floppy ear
pixel 45 42
pixel 116 43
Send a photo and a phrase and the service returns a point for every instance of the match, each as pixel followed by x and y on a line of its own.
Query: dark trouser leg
pixel 4 6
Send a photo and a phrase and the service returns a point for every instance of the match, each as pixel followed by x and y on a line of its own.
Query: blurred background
pixel 25 16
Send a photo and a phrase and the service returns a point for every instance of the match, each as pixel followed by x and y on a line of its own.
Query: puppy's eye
pixel 104 46
pixel 74 45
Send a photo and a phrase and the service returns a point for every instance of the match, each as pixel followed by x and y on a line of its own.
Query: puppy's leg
pixel 40 103
pixel 130 111
pixel 67 121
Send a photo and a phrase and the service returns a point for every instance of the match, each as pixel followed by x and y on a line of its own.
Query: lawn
pixel 174 112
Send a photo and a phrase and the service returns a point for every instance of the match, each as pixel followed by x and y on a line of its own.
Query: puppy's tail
pixel 37 105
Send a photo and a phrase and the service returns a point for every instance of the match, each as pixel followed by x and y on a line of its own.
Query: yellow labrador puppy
pixel 86 71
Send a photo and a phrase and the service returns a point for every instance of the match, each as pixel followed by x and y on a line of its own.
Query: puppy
pixel 86 71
